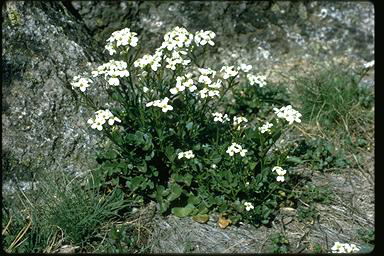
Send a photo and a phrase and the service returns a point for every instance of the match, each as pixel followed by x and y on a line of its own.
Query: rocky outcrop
pixel 43 126
pixel 261 33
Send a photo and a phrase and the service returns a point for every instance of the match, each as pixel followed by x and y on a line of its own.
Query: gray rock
pixel 245 29
pixel 43 125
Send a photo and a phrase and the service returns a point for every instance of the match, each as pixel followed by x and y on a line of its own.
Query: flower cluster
pixel 369 64
pixel 101 117
pixel 206 76
pixel 280 172
pixel 228 72
pixel 259 80
pixel 163 104
pixel 237 120
pixel 288 113
pixel 81 82
pixel 218 117
pixel 177 38
pixel 244 67
pixel 265 127
pixel 112 69
pixel 248 206
pixel 183 82
pixel 187 154
pixel 344 248
pixel 236 148
pixel 204 37
pixel 121 37
pixel 152 60
pixel 176 59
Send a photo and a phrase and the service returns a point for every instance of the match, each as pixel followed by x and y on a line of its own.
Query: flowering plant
pixel 178 140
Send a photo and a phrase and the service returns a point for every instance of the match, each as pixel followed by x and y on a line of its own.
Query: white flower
pixel 369 64
pixel 244 67
pixel 145 89
pixel 112 69
pixel 207 71
pixel 215 85
pixel 119 38
pixel 113 81
pixel 238 120
pixel 344 248
pixel 236 148
pixel 81 82
pixel 204 37
pixel 163 104
pixel 280 172
pixel 243 152
pixel 259 80
pixel 228 72
pixel 212 93
pixel 248 206
pixel 218 117
pixel 114 119
pixel 166 108
pixel 187 154
pixel 152 60
pixel 101 117
pixel 288 113
pixel 183 82
pixel 178 37
pixel 203 93
pixel 204 79
pixel 213 166
pixel 266 127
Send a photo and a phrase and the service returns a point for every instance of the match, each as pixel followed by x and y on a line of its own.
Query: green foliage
pixel 145 163
pixel 319 153
pixel 331 96
pixel 367 235
pixel 119 239
pixel 253 100
pixel 279 244
pixel 58 212
pixel 310 195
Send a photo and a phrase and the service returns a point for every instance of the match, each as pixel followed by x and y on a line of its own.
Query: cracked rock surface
pixel 43 126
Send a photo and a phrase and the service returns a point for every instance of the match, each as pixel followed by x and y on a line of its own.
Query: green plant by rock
pixel 176 142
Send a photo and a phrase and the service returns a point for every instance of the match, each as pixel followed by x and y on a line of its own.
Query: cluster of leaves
pixel 367 235
pixel 310 195
pixel 255 100
pixel 145 166
pixel 319 153
pixel 279 244
pixel 119 239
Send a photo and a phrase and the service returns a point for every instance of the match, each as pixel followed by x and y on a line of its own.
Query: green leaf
pixel 142 167
pixel 252 165
pixel 183 211
pixel 215 158
pixel 366 248
pixel 194 200
pixel 186 179
pixel 170 153
pixel 175 192
pixel 111 154
pixel 135 183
